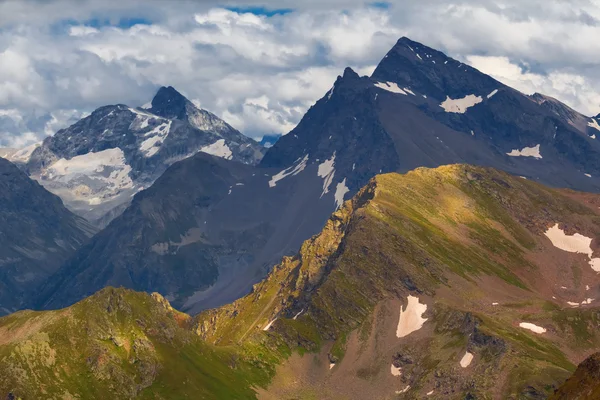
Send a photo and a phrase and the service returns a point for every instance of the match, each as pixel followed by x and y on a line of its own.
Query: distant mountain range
pixel 419 108
pixel 98 164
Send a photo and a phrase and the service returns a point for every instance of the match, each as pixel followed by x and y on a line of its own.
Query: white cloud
pixel 576 90
pixel 261 73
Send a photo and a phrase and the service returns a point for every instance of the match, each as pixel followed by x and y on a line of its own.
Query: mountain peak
pixel 169 103
pixel 350 74
pixel 422 69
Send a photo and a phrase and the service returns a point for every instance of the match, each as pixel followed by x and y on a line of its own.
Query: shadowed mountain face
pixel 420 108
pixel 99 163
pixel 37 234
pixel 448 283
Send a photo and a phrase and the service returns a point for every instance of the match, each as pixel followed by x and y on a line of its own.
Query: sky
pixel 261 65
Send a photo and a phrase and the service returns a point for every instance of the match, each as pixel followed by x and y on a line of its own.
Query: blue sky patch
pixel 260 11
pixel 384 5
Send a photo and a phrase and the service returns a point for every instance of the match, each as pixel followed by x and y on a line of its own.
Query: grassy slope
pixel 117 344
pixel 437 234
pixel 422 232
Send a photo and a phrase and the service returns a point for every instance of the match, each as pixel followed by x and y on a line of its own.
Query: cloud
pixel 261 68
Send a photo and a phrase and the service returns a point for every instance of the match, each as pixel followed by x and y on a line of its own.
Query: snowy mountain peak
pixel 99 163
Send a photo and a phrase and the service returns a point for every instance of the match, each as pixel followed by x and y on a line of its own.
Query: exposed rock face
pixel 99 163
pixel 37 234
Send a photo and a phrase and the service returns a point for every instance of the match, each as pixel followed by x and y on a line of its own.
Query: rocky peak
pixel 169 103
pixel 430 72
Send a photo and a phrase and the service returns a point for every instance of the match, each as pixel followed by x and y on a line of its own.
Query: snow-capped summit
pixel 98 164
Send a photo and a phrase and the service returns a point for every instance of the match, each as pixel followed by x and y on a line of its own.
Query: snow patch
pixel 340 191
pixel 330 93
pixel 573 244
pixel 297 315
pixel 594 124
pixel 390 87
pixel 526 152
pixel 23 155
pixel 466 360
pixel 266 328
pixel 327 171
pixel 156 137
pixel 218 149
pixel 293 170
pixel 532 327
pixel 406 388
pixel 411 318
pixel 460 106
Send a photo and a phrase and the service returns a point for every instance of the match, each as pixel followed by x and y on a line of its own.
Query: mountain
pixel 458 282
pixel 419 108
pixel 116 345
pixel 37 234
pixel 145 247
pixel 98 164
pixel 584 384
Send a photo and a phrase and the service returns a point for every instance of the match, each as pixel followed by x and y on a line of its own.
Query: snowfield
pixel 411 319
pixel 340 191
pixel 92 177
pixel 526 152
pixel 218 149
pixel 268 326
pixel 466 360
pixel 391 87
pixel 460 106
pixel 396 371
pixel 291 171
pixel 327 171
pixel 576 243
pixel 594 124
pixel 532 327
